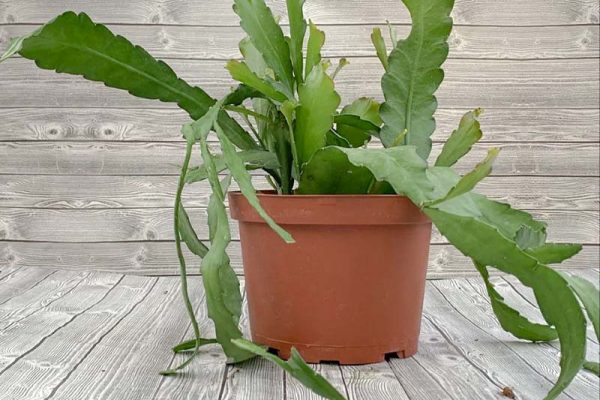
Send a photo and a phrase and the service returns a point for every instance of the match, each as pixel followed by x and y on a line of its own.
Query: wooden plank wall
pixel 87 174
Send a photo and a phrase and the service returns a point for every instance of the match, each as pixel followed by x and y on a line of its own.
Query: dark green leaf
pixel 359 121
pixel 297 368
pixel 314 115
pixel 461 140
pixel 267 37
pixel 191 344
pixel 241 93
pixel 554 253
pixel 380 48
pixel 592 367
pixel 242 177
pixel 414 75
pixel 74 44
pixel 330 172
pixel 242 73
pixel 589 297
pixel 297 32
pixel 316 39
pixel 510 319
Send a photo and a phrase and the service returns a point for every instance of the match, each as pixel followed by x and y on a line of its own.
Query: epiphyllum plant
pixel 307 146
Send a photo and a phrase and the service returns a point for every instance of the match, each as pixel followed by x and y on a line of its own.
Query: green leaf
pixel 74 44
pixel 414 75
pixel 191 344
pixel 485 244
pixel 267 37
pixel 297 32
pixel 297 368
pixel 510 319
pixel 554 253
pixel 590 298
pixel 314 115
pixel 241 93
pixel 470 180
pixel 380 48
pixel 188 234
pixel 359 121
pixel 400 166
pixel 592 367
pixel 330 172
pixel 254 159
pixel 528 237
pixel 242 177
pixel 241 73
pixel 316 40
pixel 461 140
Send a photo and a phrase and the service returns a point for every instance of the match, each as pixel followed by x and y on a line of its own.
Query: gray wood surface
pixel 111 334
pixel 87 173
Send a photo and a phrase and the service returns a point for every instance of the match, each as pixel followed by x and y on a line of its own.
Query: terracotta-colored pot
pixel 350 289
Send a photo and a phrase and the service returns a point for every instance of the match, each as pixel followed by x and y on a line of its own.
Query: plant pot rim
pixel 330 210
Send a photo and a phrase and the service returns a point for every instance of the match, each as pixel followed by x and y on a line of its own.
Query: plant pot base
pixel 315 354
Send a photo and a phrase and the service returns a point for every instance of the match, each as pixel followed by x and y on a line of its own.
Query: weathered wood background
pixel 87 174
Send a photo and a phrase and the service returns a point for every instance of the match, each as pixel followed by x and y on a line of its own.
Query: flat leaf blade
pixel 242 73
pixel 590 298
pixel 297 32
pixel 316 40
pixel 461 140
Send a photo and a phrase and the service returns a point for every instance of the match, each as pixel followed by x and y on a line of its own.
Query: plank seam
pixel 31 287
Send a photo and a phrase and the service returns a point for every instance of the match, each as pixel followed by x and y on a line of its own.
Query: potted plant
pixel 342 239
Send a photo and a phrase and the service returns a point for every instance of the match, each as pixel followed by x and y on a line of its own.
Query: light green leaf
pixel 414 75
pixel 528 237
pixel 254 159
pixel 267 37
pixel 188 234
pixel 329 172
pixel 242 73
pixel 461 140
pixel 74 44
pixel 470 180
pixel 486 245
pixel 316 40
pixel 253 58
pixel 314 115
pixel 380 48
pixel 297 32
pixel 191 344
pixel 590 298
pixel 242 177
pixel 510 319
pixel 359 121
pixel 297 368
pixel 554 253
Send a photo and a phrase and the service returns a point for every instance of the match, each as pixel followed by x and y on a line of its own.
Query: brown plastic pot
pixel 350 289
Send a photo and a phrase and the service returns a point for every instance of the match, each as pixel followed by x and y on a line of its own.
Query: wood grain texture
pixel 88 192
pixel 221 43
pixel 570 83
pixel 159 258
pixel 475 12
pixel 17 280
pixel 116 225
pixel 165 158
pixel 373 381
pixel 164 125
pixel 42 371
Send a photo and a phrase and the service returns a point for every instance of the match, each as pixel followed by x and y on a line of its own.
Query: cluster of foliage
pixel 307 145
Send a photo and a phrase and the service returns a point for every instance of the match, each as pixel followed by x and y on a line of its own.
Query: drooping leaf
pixel 461 140
pixel 359 121
pixel 254 159
pixel 267 37
pixel 297 32
pixel 380 48
pixel 316 40
pixel 329 172
pixel 242 177
pixel 74 44
pixel 314 115
pixel 241 93
pixel 486 245
pixel 242 73
pixel 414 74
pixel 191 344
pixel 510 319
pixel 470 180
pixel 589 297
pixel 188 234
pixel 554 253
pixel 297 368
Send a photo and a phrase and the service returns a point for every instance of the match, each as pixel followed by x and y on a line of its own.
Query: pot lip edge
pixel 273 194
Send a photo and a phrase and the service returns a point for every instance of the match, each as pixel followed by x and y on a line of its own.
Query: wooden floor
pixel 90 335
